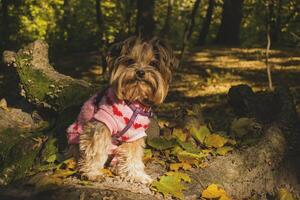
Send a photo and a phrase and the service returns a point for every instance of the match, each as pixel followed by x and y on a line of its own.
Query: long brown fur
pixel 124 60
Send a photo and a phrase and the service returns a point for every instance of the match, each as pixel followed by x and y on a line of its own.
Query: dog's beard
pixel 151 89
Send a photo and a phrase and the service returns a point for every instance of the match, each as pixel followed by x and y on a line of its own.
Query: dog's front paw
pixel 141 177
pixel 93 176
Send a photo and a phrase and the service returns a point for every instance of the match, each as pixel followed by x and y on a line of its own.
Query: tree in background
pixel 5 24
pixel 145 18
pixel 229 31
pixel 167 24
pixel 206 23
pixel 99 18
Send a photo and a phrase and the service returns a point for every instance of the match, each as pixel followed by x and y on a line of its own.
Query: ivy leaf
pixel 223 150
pixel 284 194
pixel 213 192
pixel 161 143
pixel 200 134
pixel 169 185
pixel 51 158
pixel 215 140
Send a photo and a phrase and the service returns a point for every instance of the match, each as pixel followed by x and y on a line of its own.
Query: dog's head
pixel 140 70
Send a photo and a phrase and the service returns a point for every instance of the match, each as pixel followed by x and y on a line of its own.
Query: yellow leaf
pixel 106 172
pixel 147 155
pixel 70 163
pixel 212 192
pixel 179 134
pixel 191 158
pixel 182 165
pixel 284 194
pixel 3 104
pixel 215 140
pixel 180 176
pixel 200 134
pixel 223 150
pixel 62 173
pixel 169 185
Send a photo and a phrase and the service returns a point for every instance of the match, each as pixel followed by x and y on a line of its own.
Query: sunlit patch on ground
pixel 205 76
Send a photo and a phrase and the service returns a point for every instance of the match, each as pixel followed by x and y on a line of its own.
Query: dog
pixel 111 125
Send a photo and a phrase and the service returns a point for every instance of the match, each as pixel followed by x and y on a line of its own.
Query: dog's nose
pixel 140 73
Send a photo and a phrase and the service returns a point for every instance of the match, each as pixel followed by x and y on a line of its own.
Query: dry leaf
pixel 213 192
pixel 182 165
pixel 284 194
pixel 215 140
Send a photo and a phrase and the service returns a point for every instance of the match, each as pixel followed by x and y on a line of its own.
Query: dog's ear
pixel 165 52
pixel 113 52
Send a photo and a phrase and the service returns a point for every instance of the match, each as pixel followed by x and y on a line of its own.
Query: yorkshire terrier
pixel 111 125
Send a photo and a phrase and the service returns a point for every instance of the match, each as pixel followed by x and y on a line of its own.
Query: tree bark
pixel 145 18
pixel 41 84
pixel 189 28
pixel 229 31
pixel 206 23
pixel 99 18
pixel 4 24
pixel 166 28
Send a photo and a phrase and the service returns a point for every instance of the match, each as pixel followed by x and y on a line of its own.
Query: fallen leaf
pixel 161 143
pixel 191 158
pixel 213 192
pixel 215 140
pixel 181 165
pixel 147 155
pixel 63 173
pixel 179 134
pixel 170 184
pixel 223 150
pixel 180 176
pixel 284 194
pixel 106 172
pixel 189 146
pixel 3 104
pixel 200 134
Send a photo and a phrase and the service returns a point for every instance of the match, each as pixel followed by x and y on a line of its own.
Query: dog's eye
pixel 154 64
pixel 129 61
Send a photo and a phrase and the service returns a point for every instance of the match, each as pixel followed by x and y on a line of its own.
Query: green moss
pixel 43 90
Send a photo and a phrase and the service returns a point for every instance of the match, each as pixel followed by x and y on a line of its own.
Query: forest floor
pixel 205 76
pixel 203 79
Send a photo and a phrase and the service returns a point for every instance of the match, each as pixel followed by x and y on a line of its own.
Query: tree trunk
pixel 166 28
pixel 129 9
pixel 145 18
pixel 41 84
pixel 229 31
pixel 189 28
pixel 206 23
pixel 99 19
pixel 4 24
pixel 66 34
pixel 275 19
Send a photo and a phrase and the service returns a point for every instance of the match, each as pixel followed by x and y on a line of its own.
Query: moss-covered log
pixel 41 84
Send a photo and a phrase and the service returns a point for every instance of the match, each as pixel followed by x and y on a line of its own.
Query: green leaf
pixel 215 140
pixel 223 150
pixel 192 158
pixel 179 135
pixel 169 185
pixel 51 158
pixel 161 143
pixel 189 146
pixel 200 134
